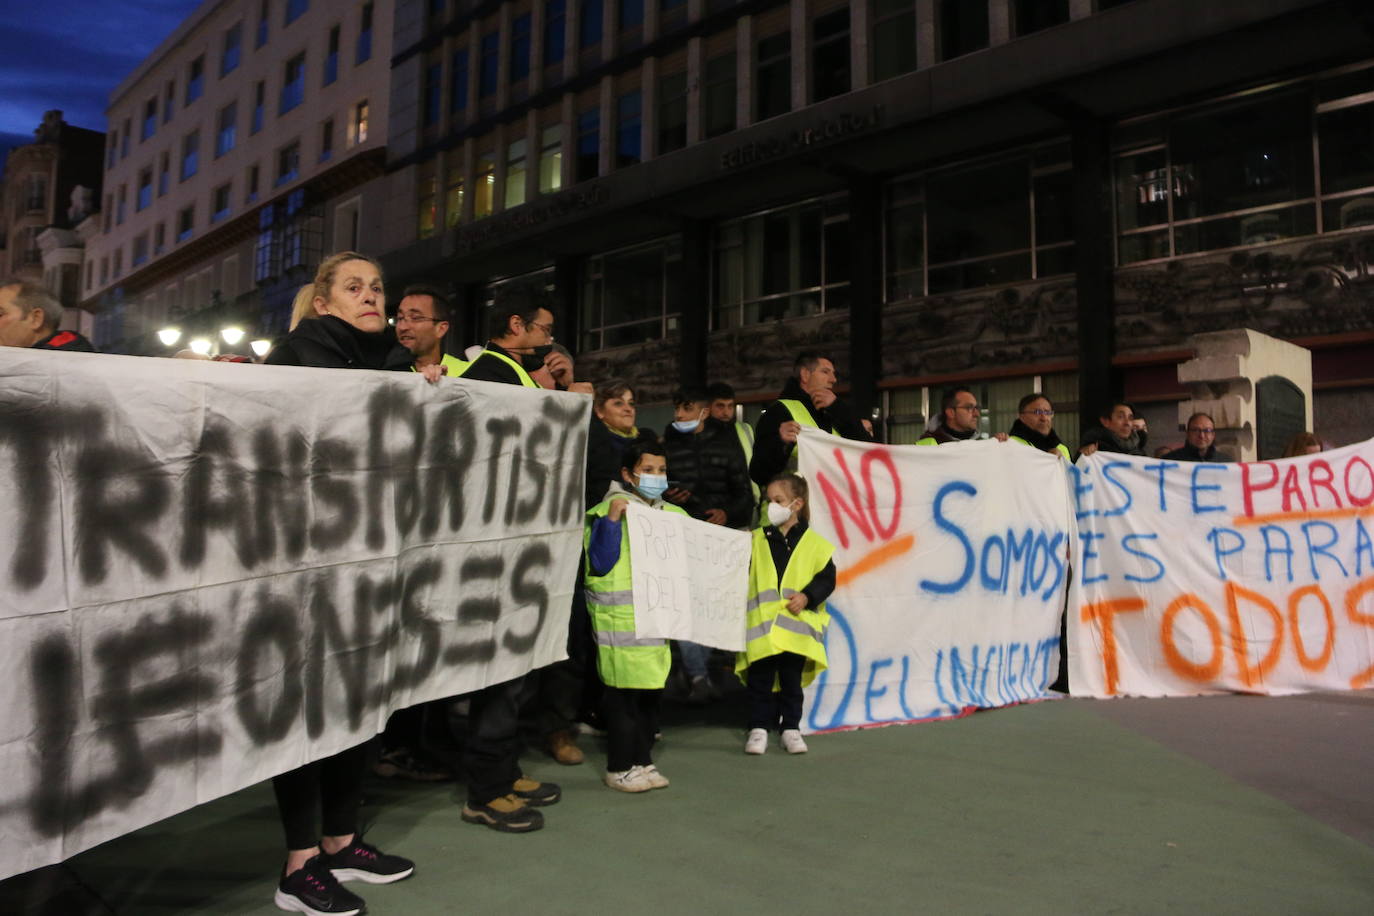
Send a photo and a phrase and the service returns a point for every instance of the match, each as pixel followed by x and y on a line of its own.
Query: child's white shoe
pixel 792 741
pixel 631 780
pixel 655 779
pixel 757 742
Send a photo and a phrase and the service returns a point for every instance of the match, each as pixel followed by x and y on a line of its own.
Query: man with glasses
pixel 521 350
pixel 422 322
pixel 1201 444
pixel 959 416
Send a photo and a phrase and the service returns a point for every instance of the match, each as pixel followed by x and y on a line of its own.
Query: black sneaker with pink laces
pixel 311 889
pixel 359 861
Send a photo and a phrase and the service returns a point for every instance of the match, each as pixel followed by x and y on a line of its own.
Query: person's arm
pixel 843 420
pixel 603 549
pixel 770 452
pixel 821 586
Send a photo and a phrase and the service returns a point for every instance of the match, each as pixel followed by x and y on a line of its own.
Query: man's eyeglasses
pixel 1202 432
pixel 411 318
pixel 546 328
pixel 1040 412
pixel 973 407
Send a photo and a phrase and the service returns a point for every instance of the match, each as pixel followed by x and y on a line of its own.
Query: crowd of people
pixel 706 464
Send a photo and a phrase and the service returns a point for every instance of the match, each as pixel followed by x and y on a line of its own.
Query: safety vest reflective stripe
pixel 624 638
pixel 783 621
pixel 627 596
pixel 764 597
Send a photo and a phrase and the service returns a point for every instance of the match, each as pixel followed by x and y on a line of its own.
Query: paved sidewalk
pixel 1208 805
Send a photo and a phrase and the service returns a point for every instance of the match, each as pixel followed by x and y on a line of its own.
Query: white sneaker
pixel 792 741
pixel 631 780
pixel 656 779
pixel 757 742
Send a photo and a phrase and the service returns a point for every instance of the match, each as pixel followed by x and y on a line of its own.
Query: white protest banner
pixel 952 566
pixel 1200 578
pixel 690 578
pixel 215 573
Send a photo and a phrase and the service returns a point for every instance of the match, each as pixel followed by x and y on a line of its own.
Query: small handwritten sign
pixel 691 579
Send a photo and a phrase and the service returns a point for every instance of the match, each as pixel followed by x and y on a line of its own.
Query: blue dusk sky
pixel 71 55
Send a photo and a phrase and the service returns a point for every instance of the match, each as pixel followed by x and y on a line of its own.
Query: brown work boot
pixel 563 748
pixel 507 814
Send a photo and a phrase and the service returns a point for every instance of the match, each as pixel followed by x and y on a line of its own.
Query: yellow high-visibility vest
pixel 520 372
pixel 622 659
pixel 770 627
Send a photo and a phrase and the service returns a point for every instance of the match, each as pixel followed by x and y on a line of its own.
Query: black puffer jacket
pixel 328 342
pixel 605 451
pixel 710 464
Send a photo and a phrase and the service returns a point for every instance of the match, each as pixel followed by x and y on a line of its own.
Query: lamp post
pixel 209 345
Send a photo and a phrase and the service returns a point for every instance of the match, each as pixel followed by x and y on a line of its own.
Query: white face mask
pixel 778 514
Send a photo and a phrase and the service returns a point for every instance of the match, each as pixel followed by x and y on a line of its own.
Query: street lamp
pixel 261 347
pixel 201 345
pixel 231 335
pixel 169 336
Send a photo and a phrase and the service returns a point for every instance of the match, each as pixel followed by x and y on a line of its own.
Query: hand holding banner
pixel 691 579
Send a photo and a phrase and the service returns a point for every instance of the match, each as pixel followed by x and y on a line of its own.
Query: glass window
pixel 121 205
pixel 551 159
pixel 295 9
pixel 520 48
pixel 631 296
pixel 195 79
pixel 434 76
pixel 251 194
pixel 555 30
pixel 292 84
pixel 186 222
pixel 590 28
pixel 365 36
pixel 978 226
pixel 358 130
pixel 905 240
pixel 145 190
pixel 630 14
pixel 453 200
pixel 233 44
pixel 894 38
pixel 1346 140
pixel 489 64
pixel 830 54
pixel 515 174
pixel 672 112
pixel 260 38
pixel 784 263
pixel 219 204
pixel 259 105
pixel 963 27
pixel 773 77
pixel 331 57
pixel 588 162
pixel 629 129
pixel 159 238
pixel 164 173
pixel 169 102
pixel 1034 15
pixel 428 207
pixel 719 102
pixel 225 128
pixel 484 186
pixel 190 154
pixel 149 119
pixel 326 139
pixel 458 90
pixel 288 163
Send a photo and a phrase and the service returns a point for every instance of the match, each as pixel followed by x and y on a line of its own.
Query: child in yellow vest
pixel 633 669
pixel 790 576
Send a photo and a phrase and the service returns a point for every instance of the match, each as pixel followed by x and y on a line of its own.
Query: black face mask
pixel 534 361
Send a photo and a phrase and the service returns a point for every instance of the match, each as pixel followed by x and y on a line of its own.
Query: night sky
pixel 71 55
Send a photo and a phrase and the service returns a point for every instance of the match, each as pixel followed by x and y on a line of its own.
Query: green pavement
pixel 1044 808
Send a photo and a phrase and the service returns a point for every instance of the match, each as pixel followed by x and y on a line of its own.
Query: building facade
pixel 1015 195
pixel 48 185
pixel 249 144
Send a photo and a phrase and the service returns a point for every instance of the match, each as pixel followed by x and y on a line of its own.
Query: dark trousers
pixel 631 716
pixel 491 754
pixel 331 788
pixel 776 710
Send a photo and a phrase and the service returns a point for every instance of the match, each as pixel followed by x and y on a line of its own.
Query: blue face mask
pixel 652 486
pixel 686 426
